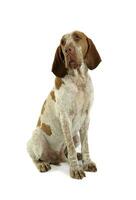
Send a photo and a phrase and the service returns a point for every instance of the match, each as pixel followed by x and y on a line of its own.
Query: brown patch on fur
pixel 58 82
pixel 53 95
pixel 46 128
pixel 39 122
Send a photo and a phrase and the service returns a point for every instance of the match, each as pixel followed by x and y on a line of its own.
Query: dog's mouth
pixel 72 62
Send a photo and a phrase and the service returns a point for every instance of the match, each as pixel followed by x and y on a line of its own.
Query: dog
pixel 65 113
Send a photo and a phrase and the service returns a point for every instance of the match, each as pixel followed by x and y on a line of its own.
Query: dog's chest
pixel 80 97
pixel 79 92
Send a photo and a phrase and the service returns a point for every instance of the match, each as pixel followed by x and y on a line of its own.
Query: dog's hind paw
pixel 90 167
pixel 43 166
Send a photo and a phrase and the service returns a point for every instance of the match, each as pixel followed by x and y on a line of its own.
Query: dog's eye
pixel 77 37
pixel 63 42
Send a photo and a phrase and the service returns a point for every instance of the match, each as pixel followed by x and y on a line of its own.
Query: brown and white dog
pixel 65 113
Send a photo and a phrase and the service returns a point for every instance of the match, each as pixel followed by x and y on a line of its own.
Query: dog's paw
pixel 43 166
pixel 90 167
pixel 77 172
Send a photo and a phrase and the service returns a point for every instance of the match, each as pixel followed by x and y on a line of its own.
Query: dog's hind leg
pixel 37 148
pixel 41 152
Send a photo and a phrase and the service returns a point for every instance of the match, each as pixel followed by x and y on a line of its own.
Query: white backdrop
pixel 29 34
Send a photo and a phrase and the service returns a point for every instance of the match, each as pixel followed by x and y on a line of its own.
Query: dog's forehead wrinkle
pixel 68 38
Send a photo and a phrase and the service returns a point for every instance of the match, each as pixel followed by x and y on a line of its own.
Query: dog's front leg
pixel 75 170
pixel 88 165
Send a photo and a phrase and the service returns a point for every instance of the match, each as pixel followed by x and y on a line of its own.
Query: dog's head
pixel 75 48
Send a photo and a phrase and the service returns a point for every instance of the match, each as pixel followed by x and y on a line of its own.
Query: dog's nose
pixel 69 49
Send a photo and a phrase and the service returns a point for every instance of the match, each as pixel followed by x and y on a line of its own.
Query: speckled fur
pixel 66 112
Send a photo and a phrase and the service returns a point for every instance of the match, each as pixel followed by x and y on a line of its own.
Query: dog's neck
pixel 81 71
pixel 78 76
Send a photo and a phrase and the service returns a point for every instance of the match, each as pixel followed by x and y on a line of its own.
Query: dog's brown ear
pixel 92 57
pixel 58 67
